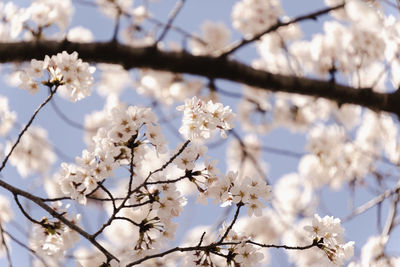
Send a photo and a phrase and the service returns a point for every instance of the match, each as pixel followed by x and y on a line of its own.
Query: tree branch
pixel 206 66
pixel 55 214
pixel 214 246
pixel 3 241
pixel 235 46
pixel 3 164
pixel 373 202
pixel 171 18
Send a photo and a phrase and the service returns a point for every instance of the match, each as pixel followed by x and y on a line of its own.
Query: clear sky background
pixel 69 140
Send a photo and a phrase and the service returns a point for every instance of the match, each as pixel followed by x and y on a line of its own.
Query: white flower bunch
pixel 114 8
pixel 12 19
pixel 33 153
pixel 65 70
pixel 7 117
pixel 112 148
pixel 334 160
pixel 328 233
pixel 373 254
pixel 200 119
pixel 215 35
pixel 6 215
pixel 238 252
pixel 233 189
pixel 48 12
pixel 34 19
pixel 167 87
pixel 52 238
pixel 254 16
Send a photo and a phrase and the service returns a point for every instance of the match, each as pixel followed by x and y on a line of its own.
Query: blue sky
pixel 193 14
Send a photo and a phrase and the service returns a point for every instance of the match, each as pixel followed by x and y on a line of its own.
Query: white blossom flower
pixel 6 213
pixel 113 79
pixel 167 87
pixel 53 238
pixel 33 153
pixel 329 232
pixel 110 148
pixel 65 70
pixel 47 12
pixel 215 36
pixel 373 254
pixel 200 119
pixel 254 16
pixel 114 8
pixel 80 34
pixel 12 20
pixel 247 255
pixel 7 117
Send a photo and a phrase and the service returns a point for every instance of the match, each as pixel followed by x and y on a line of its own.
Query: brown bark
pixel 205 66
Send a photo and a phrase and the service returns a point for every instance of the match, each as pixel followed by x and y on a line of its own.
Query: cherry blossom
pixel 254 16
pixel 333 88
pixel 201 118
pixel 328 231
pixel 34 154
pixel 65 70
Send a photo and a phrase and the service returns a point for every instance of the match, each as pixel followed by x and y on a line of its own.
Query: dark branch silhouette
pixel 206 66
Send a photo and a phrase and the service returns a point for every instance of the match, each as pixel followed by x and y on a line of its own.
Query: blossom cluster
pixel 334 160
pixel 239 252
pixel 52 237
pixel 373 254
pixel 67 71
pixel 215 36
pixel 156 227
pixel 251 17
pixel 328 233
pixel 7 117
pixel 41 14
pixel 167 87
pixel 231 188
pixel 114 145
pixel 201 118
pixel 33 153
pixel 363 45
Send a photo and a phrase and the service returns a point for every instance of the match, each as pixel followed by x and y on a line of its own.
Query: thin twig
pixel 171 18
pixel 20 243
pixel 213 247
pixel 168 181
pixel 390 222
pixel 65 118
pixel 3 164
pixel 24 212
pixel 55 214
pixel 110 195
pixel 371 203
pixel 239 205
pixel 246 154
pixel 178 30
pixel 127 219
pixel 280 151
pixel 235 46
pixel 116 25
pixel 5 246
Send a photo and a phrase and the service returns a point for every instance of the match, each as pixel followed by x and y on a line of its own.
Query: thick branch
pixel 206 66
pixel 55 214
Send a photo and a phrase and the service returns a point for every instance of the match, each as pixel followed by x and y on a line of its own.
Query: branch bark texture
pixel 205 66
